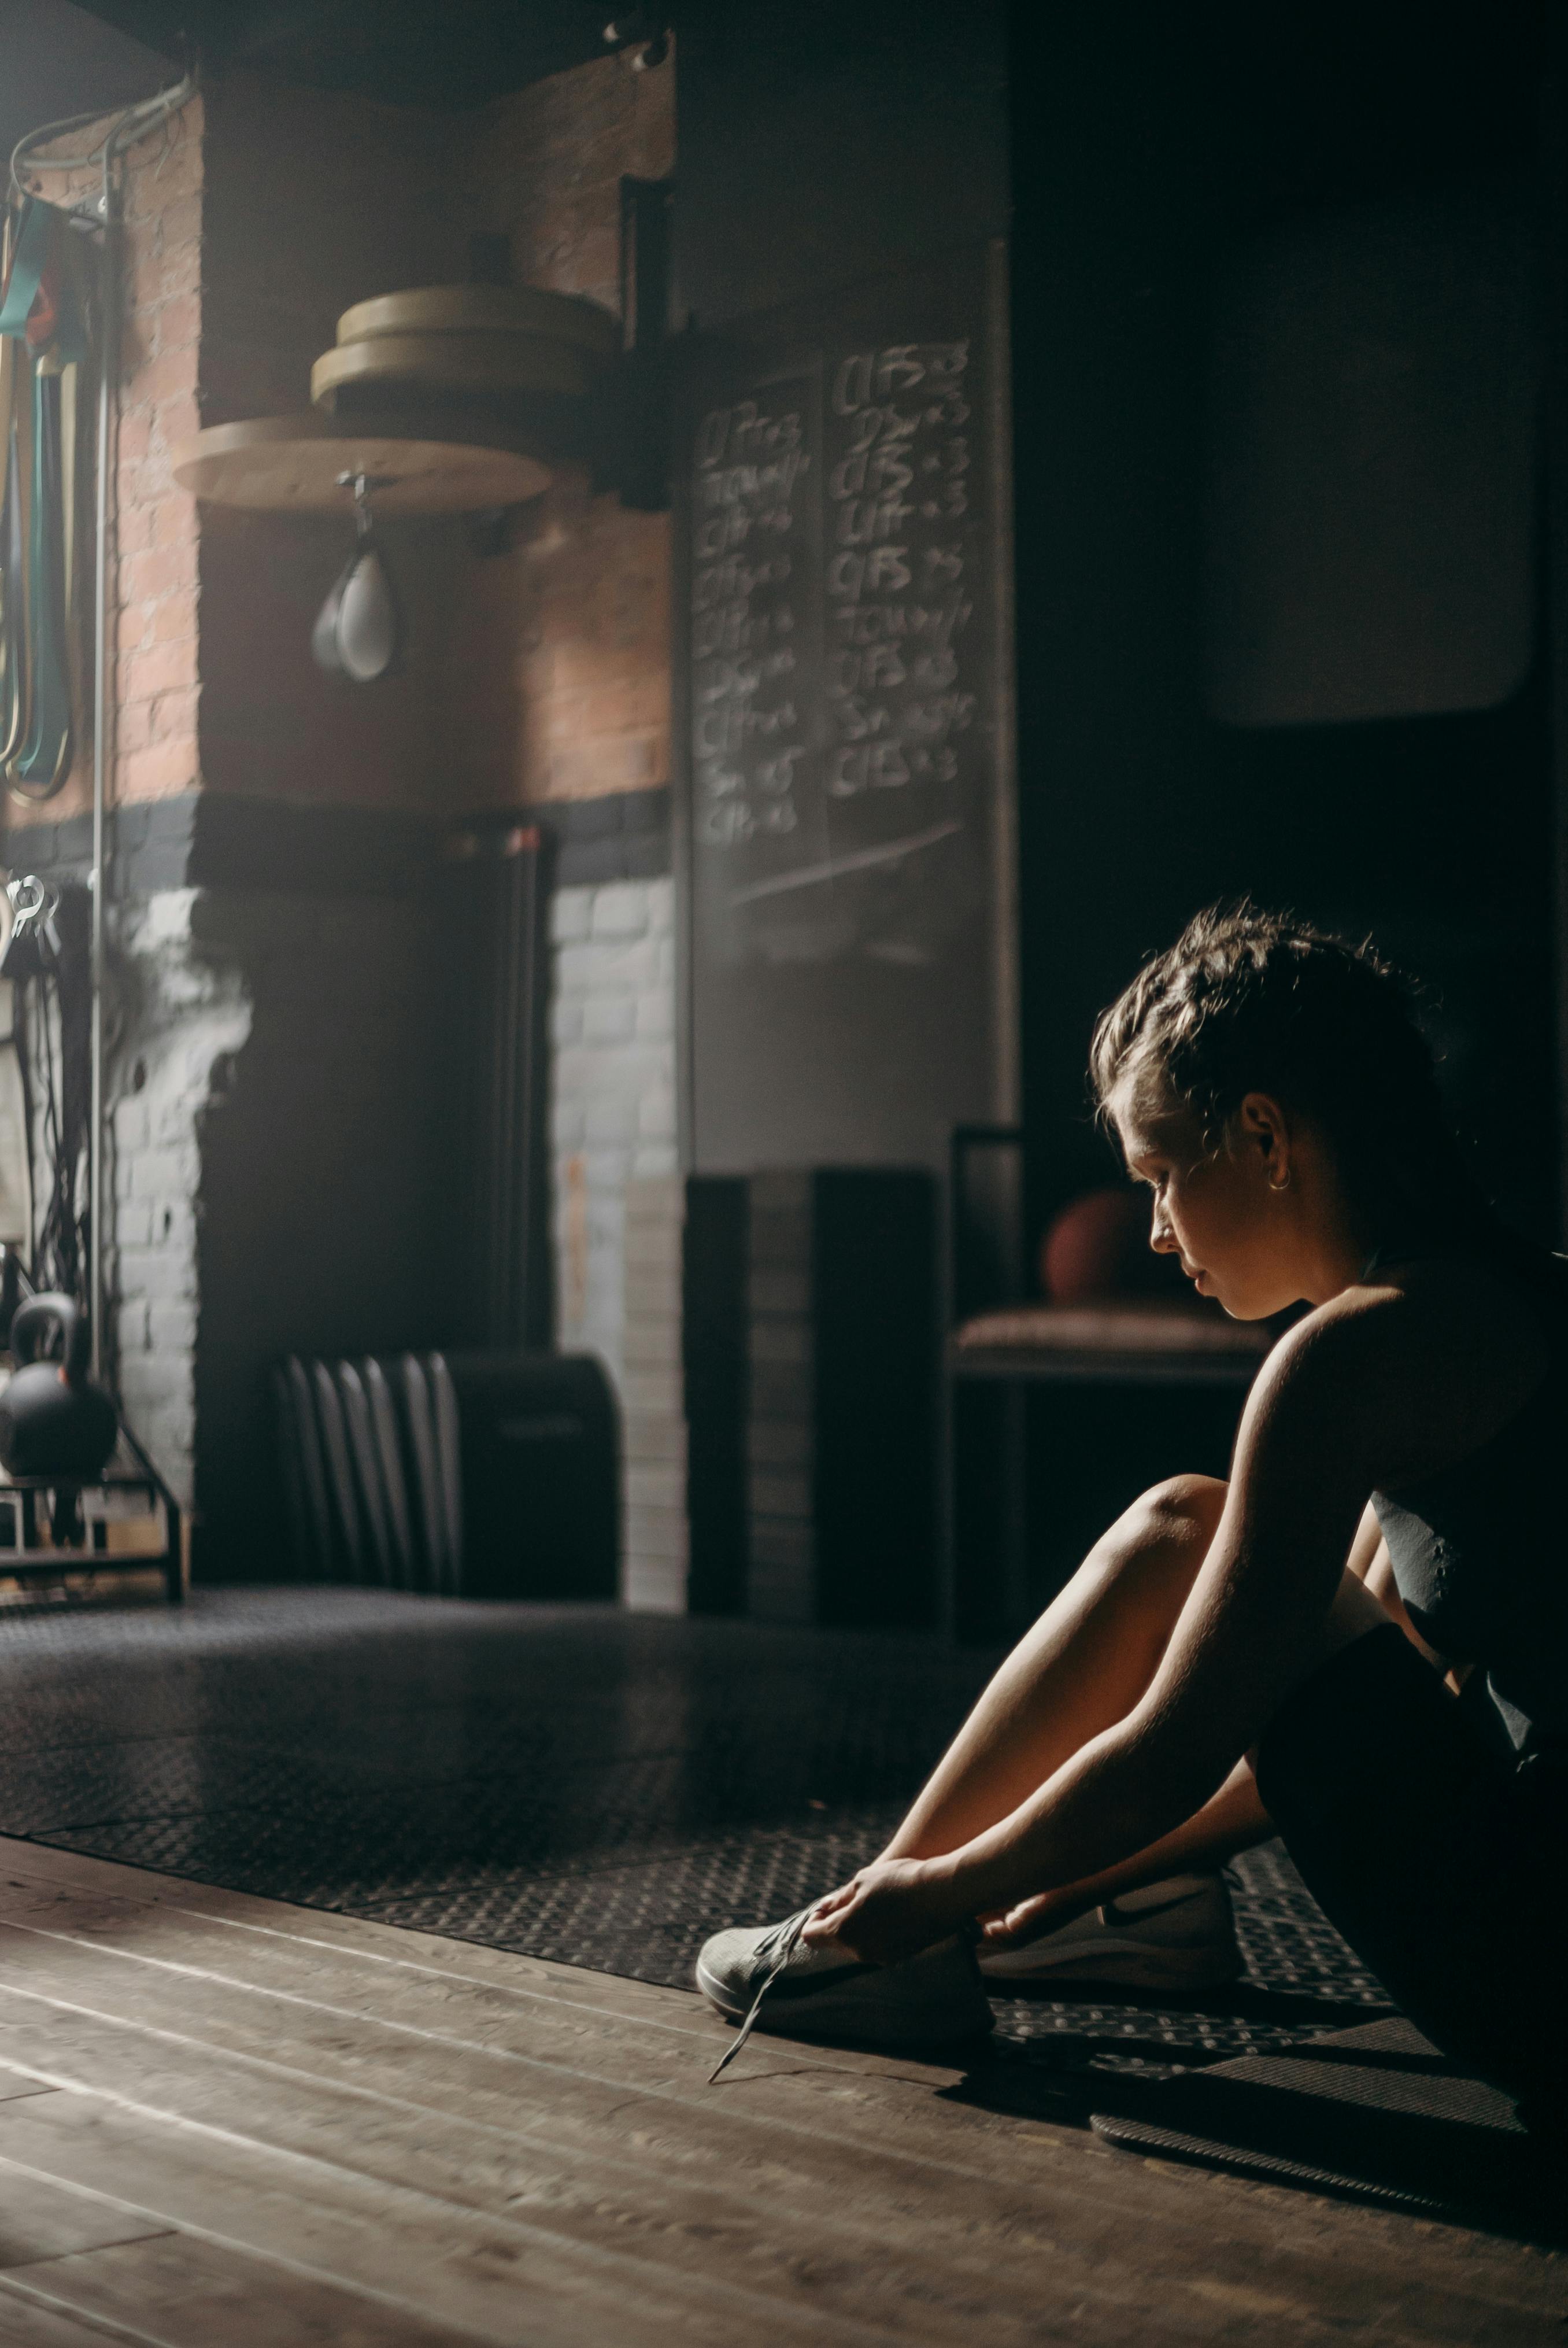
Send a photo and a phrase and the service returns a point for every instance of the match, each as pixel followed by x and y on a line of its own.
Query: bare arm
pixel 1232 1820
pixel 1253 1624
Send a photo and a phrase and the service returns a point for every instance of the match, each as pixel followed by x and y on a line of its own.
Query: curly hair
pixel 1250 1000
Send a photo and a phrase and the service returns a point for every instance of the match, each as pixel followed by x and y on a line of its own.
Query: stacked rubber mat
pixel 371 1470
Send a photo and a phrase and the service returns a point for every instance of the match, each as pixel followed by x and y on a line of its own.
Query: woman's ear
pixel 1265 1134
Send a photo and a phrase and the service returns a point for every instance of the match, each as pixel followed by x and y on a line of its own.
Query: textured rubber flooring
pixel 1372 2114
pixel 576 1784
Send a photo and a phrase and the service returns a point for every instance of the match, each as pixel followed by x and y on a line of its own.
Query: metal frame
pixel 1024 1366
pixel 27 1555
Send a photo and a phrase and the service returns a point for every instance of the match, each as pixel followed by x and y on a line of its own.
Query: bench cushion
pixel 1119 1328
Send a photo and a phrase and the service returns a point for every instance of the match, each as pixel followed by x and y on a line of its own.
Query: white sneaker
pixel 820 1993
pixel 1179 1934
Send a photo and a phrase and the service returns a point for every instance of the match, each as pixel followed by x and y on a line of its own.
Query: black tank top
pixel 1479 1549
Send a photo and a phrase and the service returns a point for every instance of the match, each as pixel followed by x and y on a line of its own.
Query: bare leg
pixel 1084 1666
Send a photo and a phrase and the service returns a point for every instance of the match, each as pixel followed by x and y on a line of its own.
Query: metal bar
pixel 1100 1369
pixel 108 359
pixel 1007 1078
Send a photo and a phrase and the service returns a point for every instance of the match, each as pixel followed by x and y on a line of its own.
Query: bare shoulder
pixel 1411 1370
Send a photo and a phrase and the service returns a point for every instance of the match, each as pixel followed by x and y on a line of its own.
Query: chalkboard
pixel 844 687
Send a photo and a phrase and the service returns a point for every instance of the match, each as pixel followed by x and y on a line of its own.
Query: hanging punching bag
pixel 358 631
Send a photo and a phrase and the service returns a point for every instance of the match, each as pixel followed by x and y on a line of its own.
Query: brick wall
pixel 157 697
pixel 560 658
pixel 613 1095
pixel 560 673
pixel 184 1018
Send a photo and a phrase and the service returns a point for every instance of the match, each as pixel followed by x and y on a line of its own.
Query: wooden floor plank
pixel 27 2320
pixel 861 2196
pixel 987 2248
pixel 472 2054
pixel 44 2220
pixel 885 2262
pixel 36 1868
pixel 179 2293
pixel 430 2256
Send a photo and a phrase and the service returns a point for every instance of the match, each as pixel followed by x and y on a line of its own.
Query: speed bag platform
pixel 541 1450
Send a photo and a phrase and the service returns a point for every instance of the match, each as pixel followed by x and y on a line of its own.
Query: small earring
pixel 1283 1183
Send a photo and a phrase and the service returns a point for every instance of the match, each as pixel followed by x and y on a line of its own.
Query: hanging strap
pixel 14 664
pixel 13 720
pixel 29 255
pixel 43 302
pixel 43 318
pixel 45 756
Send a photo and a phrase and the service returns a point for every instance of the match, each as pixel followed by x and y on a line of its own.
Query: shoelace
pixel 787 1941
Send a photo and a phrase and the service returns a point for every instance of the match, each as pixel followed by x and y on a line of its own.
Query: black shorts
pixel 1439 1855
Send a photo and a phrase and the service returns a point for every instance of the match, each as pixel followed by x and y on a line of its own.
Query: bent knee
pixel 1151 1555
pixel 1154 1548
pixel 1181 1512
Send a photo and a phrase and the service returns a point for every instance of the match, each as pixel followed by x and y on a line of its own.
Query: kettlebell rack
pixel 57 1527
pixel 51 1527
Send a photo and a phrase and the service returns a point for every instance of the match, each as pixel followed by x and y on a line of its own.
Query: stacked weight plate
pixel 465 342
pixel 371 1470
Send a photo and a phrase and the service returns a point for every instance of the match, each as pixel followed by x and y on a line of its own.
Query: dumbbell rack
pixel 52 1525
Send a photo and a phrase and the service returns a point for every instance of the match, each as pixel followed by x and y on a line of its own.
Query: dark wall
pixel 820 144
pixel 328 1179
pixel 1109 258
pixel 1148 151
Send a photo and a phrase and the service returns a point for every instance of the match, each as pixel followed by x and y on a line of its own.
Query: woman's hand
pixel 1026 1920
pixel 892 1909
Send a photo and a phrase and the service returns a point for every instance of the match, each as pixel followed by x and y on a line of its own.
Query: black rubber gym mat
pixel 578 1785
pixel 1374 2114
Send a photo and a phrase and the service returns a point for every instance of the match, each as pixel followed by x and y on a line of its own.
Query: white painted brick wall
pixel 613 1020
pixel 612 1028
pixel 183 1016
pixel 656 1546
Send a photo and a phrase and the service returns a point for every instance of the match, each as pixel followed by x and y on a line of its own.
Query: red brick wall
pixel 560 660
pixel 313 202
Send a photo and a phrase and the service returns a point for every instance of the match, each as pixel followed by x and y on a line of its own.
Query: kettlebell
pixel 53 1420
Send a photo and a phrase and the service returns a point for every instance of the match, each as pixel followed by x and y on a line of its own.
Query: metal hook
pixel 361 485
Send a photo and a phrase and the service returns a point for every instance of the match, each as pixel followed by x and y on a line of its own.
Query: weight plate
pixel 453 362
pixel 485 309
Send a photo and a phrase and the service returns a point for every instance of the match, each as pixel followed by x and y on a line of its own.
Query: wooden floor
pixel 224 2122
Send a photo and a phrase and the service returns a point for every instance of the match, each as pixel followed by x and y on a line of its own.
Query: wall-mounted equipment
pixel 318 464
pixel 463 342
pixel 509 358
pixel 45 299
pixel 299 464
pixel 448 399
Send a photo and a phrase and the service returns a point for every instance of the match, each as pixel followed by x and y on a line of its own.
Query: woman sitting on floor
pixel 1359 1642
